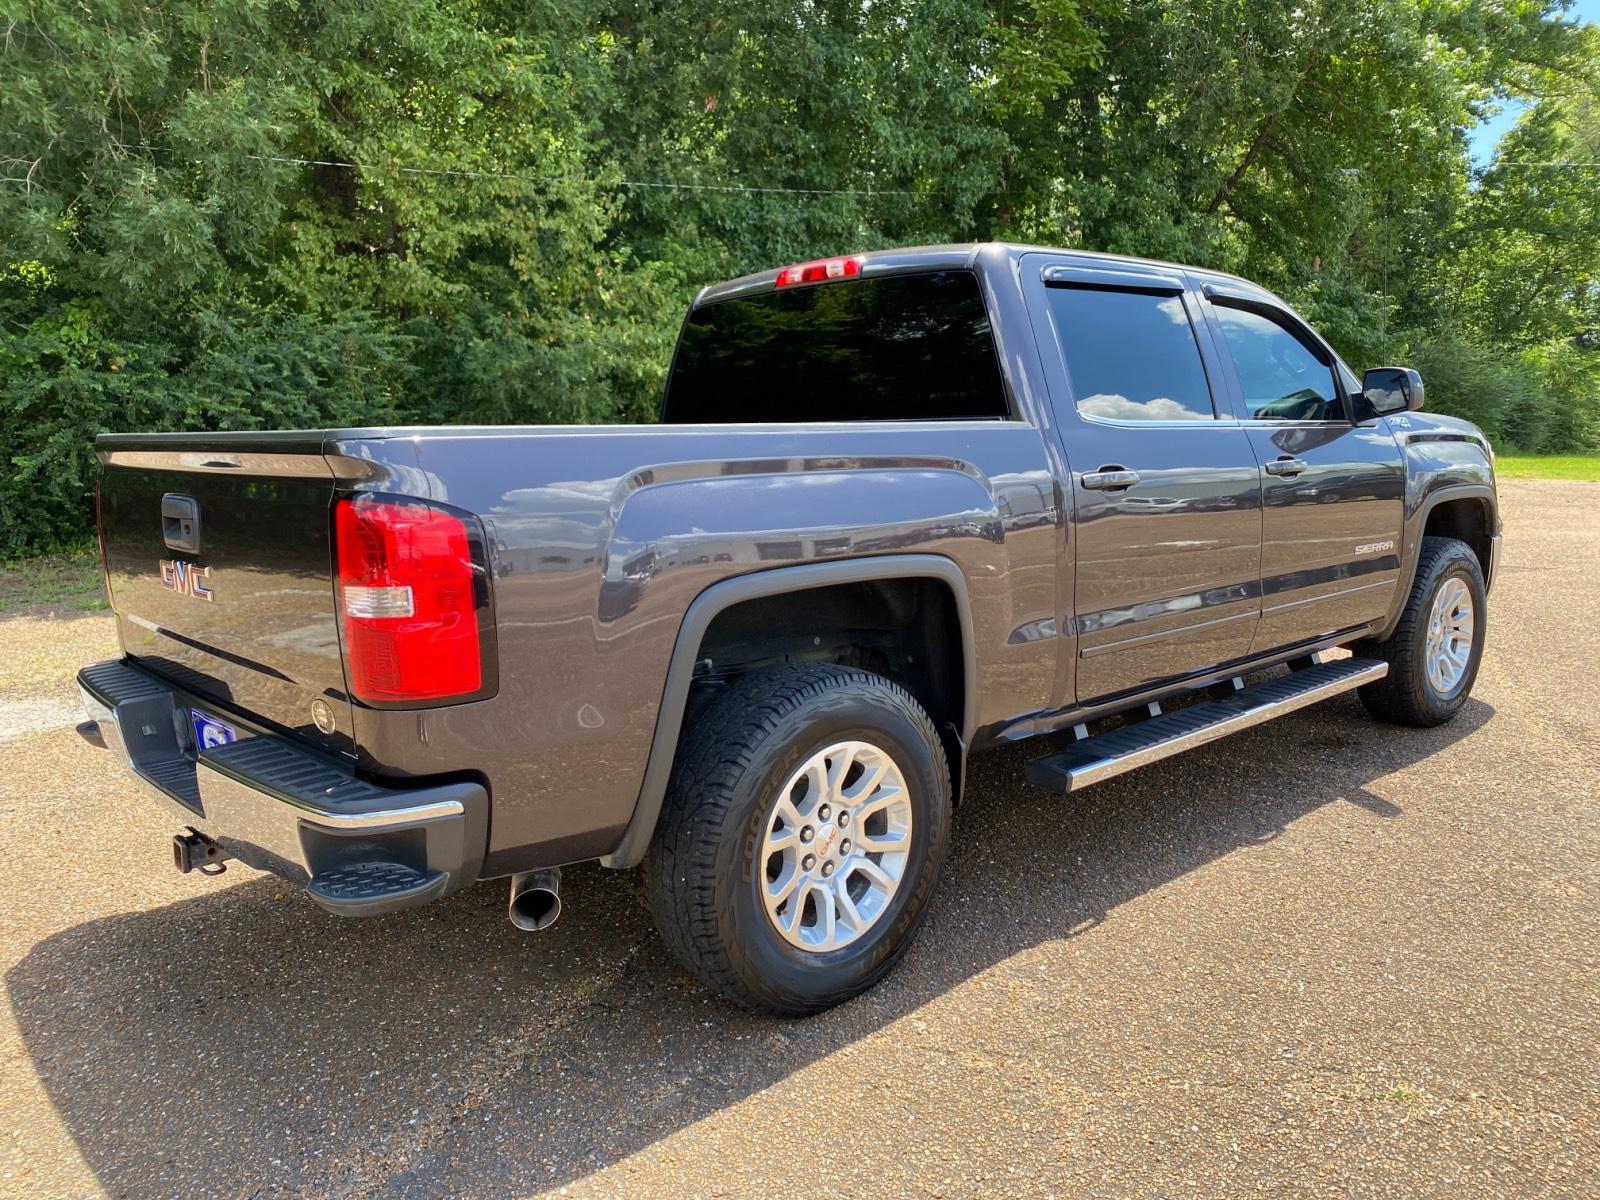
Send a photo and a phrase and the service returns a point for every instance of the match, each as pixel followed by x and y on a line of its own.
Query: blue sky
pixel 1482 139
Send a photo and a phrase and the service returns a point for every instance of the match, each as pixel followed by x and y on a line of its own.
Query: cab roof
pixel 957 256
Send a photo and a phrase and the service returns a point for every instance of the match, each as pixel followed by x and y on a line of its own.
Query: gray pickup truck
pixel 899 507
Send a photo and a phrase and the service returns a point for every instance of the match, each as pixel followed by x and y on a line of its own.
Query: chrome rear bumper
pixel 283 808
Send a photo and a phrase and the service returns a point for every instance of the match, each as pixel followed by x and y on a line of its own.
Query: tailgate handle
pixel 180 522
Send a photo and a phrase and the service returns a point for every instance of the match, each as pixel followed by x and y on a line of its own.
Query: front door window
pixel 1282 378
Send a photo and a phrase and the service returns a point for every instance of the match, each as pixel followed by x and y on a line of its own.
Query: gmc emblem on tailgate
pixel 185 578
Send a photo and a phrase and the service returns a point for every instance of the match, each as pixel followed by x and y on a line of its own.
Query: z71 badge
pixel 185 578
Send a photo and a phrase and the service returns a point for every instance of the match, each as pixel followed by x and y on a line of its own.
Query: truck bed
pixel 599 538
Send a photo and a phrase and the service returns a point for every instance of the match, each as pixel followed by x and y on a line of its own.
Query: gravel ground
pixel 1324 957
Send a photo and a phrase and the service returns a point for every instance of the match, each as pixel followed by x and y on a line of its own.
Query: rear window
pixel 905 347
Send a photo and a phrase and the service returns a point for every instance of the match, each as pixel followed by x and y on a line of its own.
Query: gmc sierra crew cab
pixel 899 507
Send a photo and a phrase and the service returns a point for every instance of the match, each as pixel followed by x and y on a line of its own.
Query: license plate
pixel 208 731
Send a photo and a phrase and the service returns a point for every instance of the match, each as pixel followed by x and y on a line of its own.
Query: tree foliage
pixel 237 213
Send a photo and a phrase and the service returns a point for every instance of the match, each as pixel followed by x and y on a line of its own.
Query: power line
pixel 147 148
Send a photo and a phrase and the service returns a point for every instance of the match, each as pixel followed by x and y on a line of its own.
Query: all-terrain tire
pixel 1406 695
pixel 704 869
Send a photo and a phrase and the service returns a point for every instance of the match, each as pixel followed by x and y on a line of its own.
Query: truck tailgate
pixel 219 563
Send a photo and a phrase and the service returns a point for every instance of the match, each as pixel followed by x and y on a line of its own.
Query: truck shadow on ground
pixel 245 1044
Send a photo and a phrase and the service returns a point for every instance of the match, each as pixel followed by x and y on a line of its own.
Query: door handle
pixel 1110 479
pixel 1287 465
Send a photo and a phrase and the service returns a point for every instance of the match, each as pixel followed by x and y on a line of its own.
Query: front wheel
pixel 1435 650
pixel 802 833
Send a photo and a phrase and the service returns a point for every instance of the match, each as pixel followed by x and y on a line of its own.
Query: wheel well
pixel 907 630
pixel 1466 520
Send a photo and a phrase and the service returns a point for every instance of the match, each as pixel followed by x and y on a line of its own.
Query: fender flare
pixel 1413 545
pixel 713 601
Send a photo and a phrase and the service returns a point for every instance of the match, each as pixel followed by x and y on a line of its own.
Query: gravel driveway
pixel 1323 957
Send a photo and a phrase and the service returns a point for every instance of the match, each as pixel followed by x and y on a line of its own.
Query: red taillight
pixel 819 271
pixel 406 589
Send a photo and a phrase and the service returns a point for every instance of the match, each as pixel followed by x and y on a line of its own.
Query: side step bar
pixel 1095 758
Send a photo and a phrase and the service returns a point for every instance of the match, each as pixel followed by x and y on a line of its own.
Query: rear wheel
pixel 802 833
pixel 1435 650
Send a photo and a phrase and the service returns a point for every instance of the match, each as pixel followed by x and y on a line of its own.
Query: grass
pixel 1401 1094
pixel 1548 466
pixel 71 578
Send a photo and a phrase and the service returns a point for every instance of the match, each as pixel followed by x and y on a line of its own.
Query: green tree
pixel 1514 320
pixel 246 212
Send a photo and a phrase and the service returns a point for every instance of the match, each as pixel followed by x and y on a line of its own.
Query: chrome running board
pixel 1156 737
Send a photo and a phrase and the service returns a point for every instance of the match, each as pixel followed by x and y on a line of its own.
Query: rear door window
pixel 1131 355
pixel 901 347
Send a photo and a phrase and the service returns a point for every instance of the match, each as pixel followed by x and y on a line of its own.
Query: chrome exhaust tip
pixel 535 899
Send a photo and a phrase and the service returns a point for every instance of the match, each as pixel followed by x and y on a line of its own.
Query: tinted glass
pixel 1281 378
pixel 905 347
pixel 1131 355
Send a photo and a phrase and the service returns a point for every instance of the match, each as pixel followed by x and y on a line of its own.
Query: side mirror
pixel 1392 390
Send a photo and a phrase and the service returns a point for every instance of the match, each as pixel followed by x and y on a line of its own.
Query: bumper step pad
pixel 366 888
pixel 359 847
pixel 1105 755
